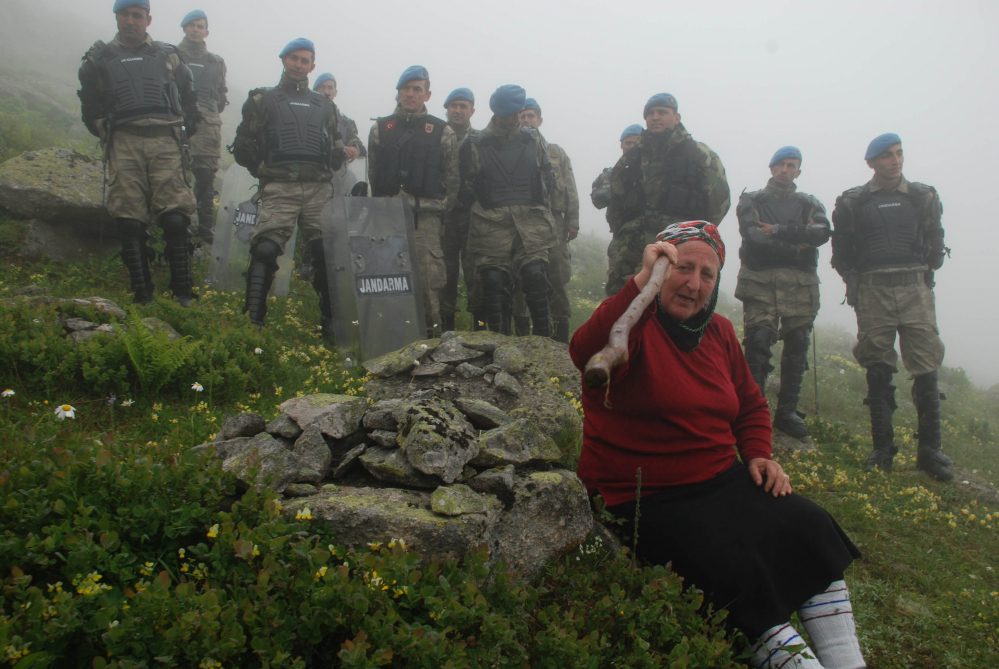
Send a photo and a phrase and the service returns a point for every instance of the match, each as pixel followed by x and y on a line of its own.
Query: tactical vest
pixel 296 129
pixel 887 231
pixel 680 194
pixel 207 71
pixel 510 173
pixel 410 157
pixel 137 83
pixel 779 211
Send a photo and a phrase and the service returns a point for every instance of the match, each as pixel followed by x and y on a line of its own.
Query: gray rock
pixel 276 467
pixel 489 377
pixel 492 368
pixel 156 325
pixel 284 426
pixel 399 361
pixel 482 340
pixel 508 384
pixel 386 438
pixel 516 443
pixel 498 481
pixel 432 369
pixel 379 416
pixel 224 449
pixel 457 500
pixel 57 185
pixel 300 490
pixel 510 359
pixel 788 444
pixel 312 451
pixel 103 305
pixel 241 425
pixel 481 414
pixel 337 415
pixel 453 351
pixel 390 465
pixel 63 241
pixel 348 461
pixel 451 334
pixel 30 291
pixel 436 438
pixel 77 324
pixel 468 371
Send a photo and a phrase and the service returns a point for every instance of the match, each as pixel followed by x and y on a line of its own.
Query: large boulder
pixel 275 466
pixel 338 416
pixel 436 438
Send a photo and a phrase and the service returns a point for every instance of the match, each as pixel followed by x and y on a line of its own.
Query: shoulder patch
pixel 429 128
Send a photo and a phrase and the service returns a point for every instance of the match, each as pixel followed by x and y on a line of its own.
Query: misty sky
pixel 749 77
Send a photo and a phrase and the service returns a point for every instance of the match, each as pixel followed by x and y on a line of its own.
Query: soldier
pixel 564 199
pixel 887 243
pixel 415 156
pixel 353 147
pixel 208 70
pixel 600 192
pixel 287 140
pixel 505 177
pixel 460 106
pixel 138 97
pixel 665 178
pixel 778 284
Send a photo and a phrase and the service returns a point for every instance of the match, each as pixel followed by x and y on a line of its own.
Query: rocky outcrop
pixel 446 462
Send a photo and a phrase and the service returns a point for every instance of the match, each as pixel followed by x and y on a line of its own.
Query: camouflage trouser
pixel 780 300
pixel 510 237
pixel 206 147
pixel 559 271
pixel 430 257
pixel 146 177
pixel 285 203
pixel 909 310
pixel 624 254
pixel 456 257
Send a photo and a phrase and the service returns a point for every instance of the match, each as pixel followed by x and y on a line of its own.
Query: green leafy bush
pixel 154 355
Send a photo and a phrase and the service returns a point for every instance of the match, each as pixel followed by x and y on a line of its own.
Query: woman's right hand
pixel 651 254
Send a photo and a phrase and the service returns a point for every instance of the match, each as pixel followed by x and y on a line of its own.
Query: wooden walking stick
pixel 615 353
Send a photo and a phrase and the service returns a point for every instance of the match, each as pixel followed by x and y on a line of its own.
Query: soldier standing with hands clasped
pixel 781 231
pixel 887 242
pixel 138 97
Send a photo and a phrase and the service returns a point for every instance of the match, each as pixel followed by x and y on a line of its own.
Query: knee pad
pixel 129 228
pixel 266 251
pixel 758 339
pixel 174 226
pixel 534 277
pixel 494 281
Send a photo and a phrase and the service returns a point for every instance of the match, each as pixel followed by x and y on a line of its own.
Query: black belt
pixel 894 279
pixel 147 130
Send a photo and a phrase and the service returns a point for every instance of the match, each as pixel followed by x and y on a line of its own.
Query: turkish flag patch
pixel 390 125
pixel 429 128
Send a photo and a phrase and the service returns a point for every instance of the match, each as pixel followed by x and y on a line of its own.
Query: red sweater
pixel 679 415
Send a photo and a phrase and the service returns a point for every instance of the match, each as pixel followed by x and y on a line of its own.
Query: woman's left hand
pixel 778 483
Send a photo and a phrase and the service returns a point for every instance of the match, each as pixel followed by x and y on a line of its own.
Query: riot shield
pixel 348 175
pixel 231 248
pixel 370 247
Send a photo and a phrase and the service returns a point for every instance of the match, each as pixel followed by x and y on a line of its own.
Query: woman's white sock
pixel 828 619
pixel 781 647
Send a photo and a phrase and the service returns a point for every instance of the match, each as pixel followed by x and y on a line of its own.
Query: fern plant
pixel 154 356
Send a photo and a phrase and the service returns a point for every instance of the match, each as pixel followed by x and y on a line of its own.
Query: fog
pixel 749 77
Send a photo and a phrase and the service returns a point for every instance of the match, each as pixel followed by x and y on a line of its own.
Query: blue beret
pixel 193 16
pixel 460 94
pixel 323 78
pixel 508 100
pixel 298 45
pixel 633 129
pixel 880 143
pixel 125 4
pixel 785 152
pixel 412 73
pixel 531 103
pixel 660 100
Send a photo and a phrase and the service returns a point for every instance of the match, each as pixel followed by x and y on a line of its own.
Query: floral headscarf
pixel 694 230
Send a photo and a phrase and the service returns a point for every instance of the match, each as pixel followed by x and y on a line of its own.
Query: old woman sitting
pixel 682 409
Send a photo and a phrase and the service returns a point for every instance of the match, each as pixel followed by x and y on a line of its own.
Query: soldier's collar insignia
pixel 429 128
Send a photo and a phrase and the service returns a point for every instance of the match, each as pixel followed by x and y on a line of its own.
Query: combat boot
pixel 561 330
pixel 204 194
pixel 881 402
pixel 259 275
pixel 929 458
pixel 536 289
pixel 793 363
pixel 178 251
pixel 321 284
pixel 757 344
pixel 136 256
pixel 495 289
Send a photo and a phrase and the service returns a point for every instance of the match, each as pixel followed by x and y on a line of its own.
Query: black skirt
pixel 759 556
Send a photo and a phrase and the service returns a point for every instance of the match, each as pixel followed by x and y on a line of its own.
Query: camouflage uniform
pixel 456 257
pixel 146 171
pixel 779 288
pixel 348 133
pixel 600 190
pixel 637 214
pixel 429 215
pixel 289 193
pixel 895 297
pixel 507 238
pixel 206 145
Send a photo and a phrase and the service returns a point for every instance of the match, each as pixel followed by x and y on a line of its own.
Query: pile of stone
pixel 473 452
